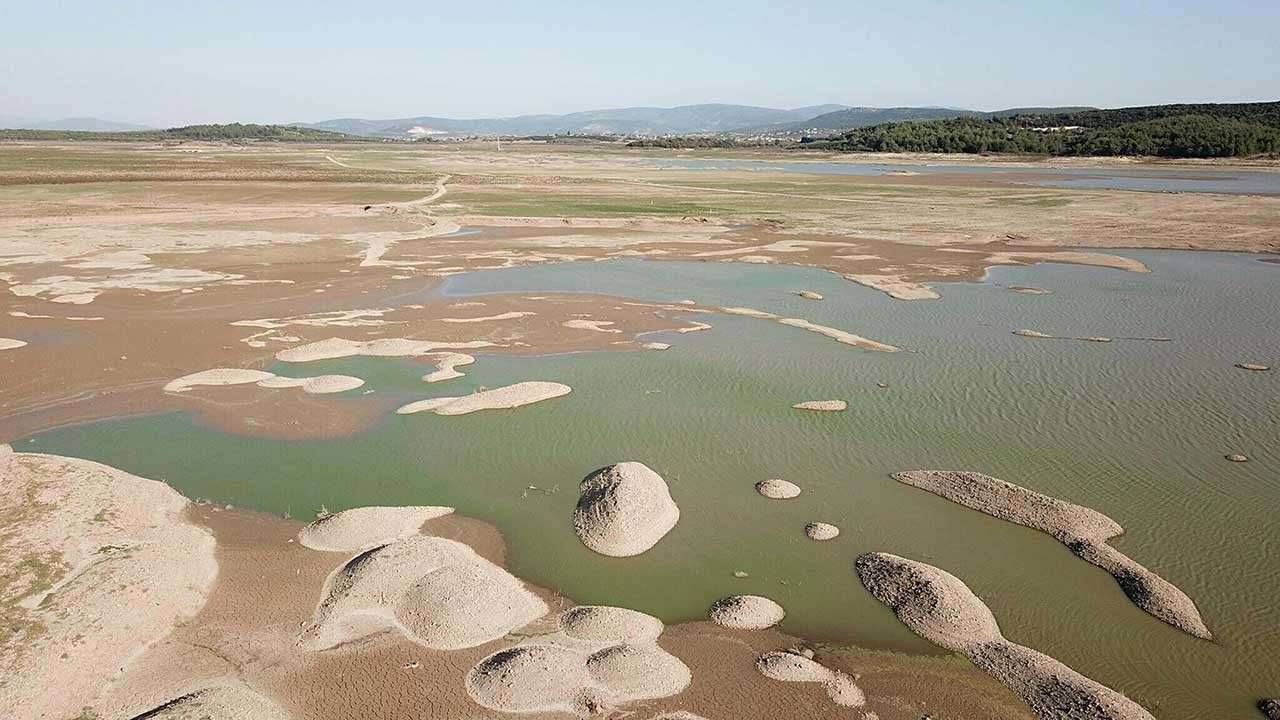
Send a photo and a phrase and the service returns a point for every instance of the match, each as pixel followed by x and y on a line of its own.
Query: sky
pixel 162 64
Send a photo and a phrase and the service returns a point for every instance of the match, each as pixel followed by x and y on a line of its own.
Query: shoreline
pixel 241 637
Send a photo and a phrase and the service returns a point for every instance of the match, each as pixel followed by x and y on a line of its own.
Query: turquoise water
pixel 1181 179
pixel 1136 429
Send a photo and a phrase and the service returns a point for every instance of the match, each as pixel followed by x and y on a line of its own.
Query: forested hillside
pixel 1186 131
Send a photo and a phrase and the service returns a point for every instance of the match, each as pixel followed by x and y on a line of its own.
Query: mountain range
pixel 81 124
pixel 632 121
pixel 653 121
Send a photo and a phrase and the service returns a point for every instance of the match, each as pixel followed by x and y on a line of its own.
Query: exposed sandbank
pixel 99 564
pixel 840 336
pixel 821 531
pixel 895 286
pixel 624 510
pixel 778 489
pixel 367 527
pixel 503 398
pixel 792 666
pixel 11 344
pixel 437 592
pixel 382 347
pixel 1084 531
pixel 822 405
pixel 808 294
pixel 940 608
pixel 447 367
pixel 318 385
pixel 1256 367
pixel 746 612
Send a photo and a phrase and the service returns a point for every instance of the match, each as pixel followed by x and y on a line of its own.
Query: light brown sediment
pixel 226 701
pixel 940 608
pixel 503 398
pixel 624 510
pixel 363 528
pixel 1084 531
pixel 746 612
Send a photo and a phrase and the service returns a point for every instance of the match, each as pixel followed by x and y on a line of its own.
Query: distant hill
pixel 86 124
pixel 229 132
pixel 617 121
pixel 857 117
pixel 1176 131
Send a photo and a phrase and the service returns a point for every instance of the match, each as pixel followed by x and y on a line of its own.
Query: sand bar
pixel 383 347
pixel 822 405
pixel 1084 531
pixel 940 608
pixel 367 527
pixel 446 367
pixel 503 398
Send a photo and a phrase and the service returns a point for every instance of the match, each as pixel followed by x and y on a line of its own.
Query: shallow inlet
pixel 1135 429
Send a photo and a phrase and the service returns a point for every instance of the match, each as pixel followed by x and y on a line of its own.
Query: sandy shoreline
pixel 239 651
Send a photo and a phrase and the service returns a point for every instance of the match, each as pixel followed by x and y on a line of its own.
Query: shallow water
pixel 1134 428
pixel 1233 182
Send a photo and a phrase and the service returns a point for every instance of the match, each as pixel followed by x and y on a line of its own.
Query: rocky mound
pixel 821 531
pixel 790 666
pixel 1084 531
pixel 609 625
pixel 940 608
pixel 584 670
pixel 624 510
pixel 367 527
pixel 438 592
pixel 1270 708
pixel 503 398
pixel 777 489
pixel 822 405
pixel 746 612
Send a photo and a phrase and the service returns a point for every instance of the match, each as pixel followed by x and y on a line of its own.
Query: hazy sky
pixel 159 63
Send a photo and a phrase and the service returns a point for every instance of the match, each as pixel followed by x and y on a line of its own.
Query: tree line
pixel 1160 131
